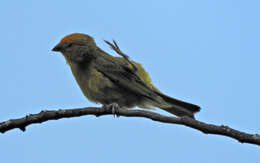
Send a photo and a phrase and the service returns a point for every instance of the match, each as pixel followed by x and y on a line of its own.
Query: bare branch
pixel 46 115
pixel 116 48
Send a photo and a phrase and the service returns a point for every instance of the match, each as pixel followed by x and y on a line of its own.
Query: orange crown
pixel 73 36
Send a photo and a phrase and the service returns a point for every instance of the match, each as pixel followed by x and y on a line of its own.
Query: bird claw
pixel 114 107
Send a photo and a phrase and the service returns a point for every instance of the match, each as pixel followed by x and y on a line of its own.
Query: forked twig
pixel 116 48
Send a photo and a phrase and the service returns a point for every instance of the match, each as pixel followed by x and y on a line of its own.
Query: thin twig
pixel 116 48
pixel 46 115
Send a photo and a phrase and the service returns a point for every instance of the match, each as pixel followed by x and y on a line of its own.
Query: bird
pixel 113 81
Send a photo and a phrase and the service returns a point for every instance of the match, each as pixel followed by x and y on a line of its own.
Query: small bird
pixel 110 80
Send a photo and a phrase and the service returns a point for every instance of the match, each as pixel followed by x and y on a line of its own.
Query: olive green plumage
pixel 106 79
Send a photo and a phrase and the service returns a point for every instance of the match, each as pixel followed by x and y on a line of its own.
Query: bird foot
pixel 114 107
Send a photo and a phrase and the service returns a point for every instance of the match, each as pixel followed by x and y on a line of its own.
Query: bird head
pixel 77 47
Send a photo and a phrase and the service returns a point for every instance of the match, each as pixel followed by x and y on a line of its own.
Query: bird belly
pixel 100 89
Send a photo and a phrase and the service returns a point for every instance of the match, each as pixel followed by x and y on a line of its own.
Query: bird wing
pixel 123 76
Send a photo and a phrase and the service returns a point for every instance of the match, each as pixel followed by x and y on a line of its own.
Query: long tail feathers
pixel 179 108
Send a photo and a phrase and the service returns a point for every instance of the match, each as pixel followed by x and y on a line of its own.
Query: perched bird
pixel 110 80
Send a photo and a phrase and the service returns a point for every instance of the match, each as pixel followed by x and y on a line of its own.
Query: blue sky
pixel 205 52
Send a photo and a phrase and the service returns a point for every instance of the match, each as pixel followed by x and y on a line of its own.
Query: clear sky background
pixel 204 51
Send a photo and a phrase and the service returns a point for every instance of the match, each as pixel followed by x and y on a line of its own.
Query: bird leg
pixel 114 106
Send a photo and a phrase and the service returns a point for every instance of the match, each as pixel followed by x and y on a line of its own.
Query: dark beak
pixel 57 48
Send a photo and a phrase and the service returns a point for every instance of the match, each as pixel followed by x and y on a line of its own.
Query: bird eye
pixel 69 45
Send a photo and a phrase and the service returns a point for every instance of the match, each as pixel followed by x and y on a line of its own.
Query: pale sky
pixel 205 52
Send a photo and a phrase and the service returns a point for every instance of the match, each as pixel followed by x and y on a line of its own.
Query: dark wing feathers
pixel 123 76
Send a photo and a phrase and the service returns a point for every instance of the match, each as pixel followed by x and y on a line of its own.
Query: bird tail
pixel 178 107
